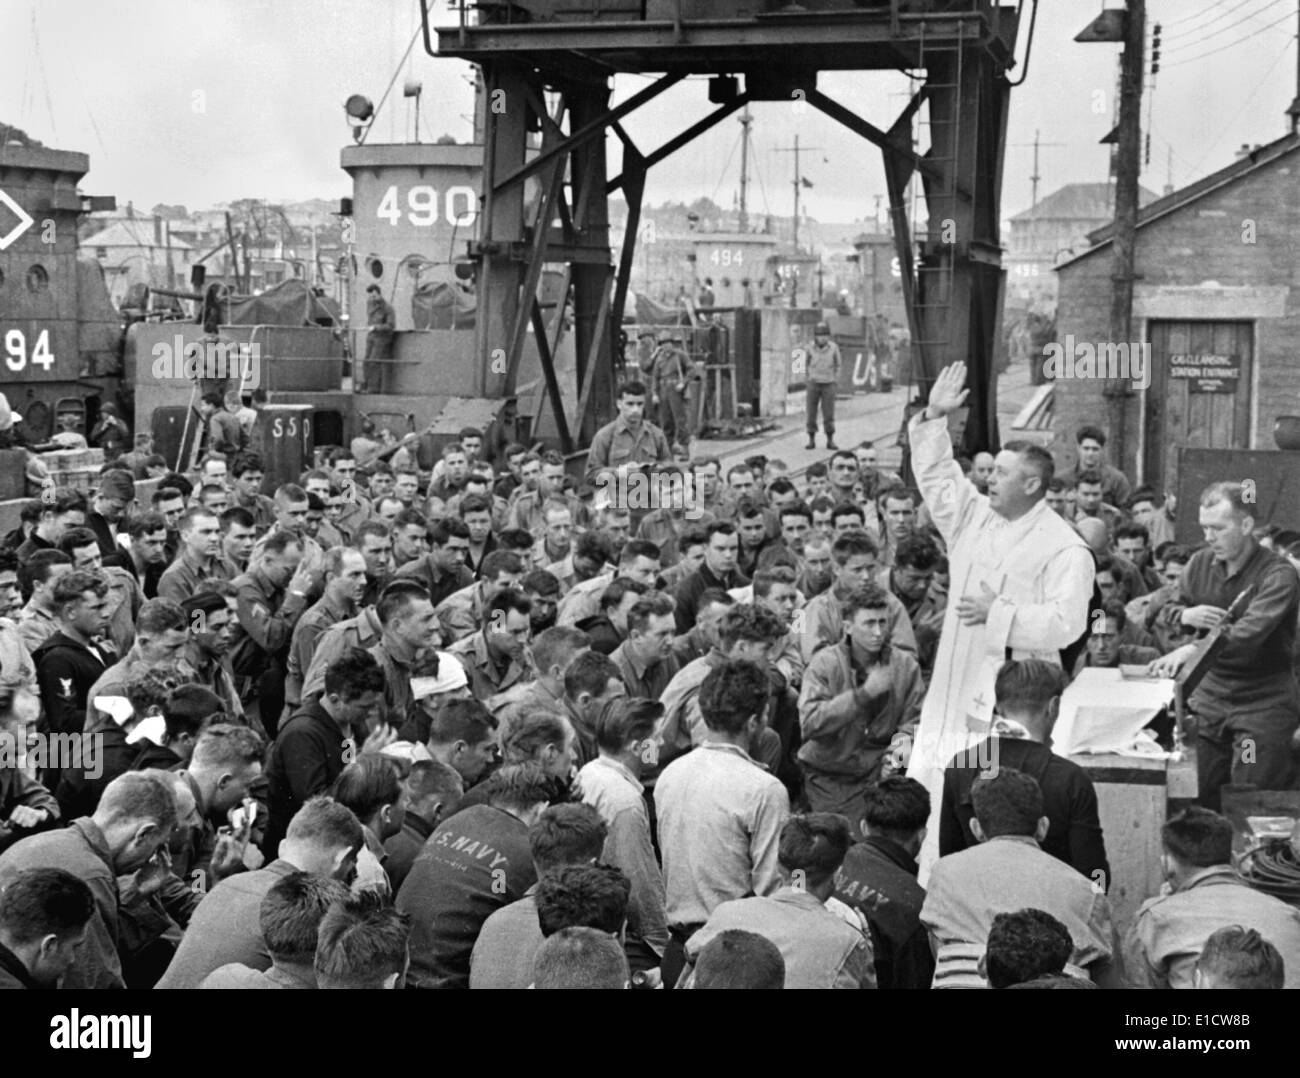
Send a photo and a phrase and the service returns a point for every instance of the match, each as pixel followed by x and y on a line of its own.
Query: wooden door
pixel 1209 411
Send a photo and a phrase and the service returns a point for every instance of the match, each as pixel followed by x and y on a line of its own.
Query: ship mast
pixel 745 121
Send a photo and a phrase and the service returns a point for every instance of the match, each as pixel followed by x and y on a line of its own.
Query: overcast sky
pixel 192 102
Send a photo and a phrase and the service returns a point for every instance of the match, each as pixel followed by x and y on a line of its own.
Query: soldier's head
pixel 631 402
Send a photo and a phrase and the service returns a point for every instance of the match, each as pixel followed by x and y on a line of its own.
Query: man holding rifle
pixel 1247 705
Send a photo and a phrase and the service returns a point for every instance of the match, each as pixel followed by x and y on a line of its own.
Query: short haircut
pixel 530 733
pixel 1037 459
pixel 280 540
pixel 897 493
pixel 362 941
pixel 291 913
pixel 501 561
pixel 172 486
pixel 42 902
pixel 410 518
pixel 733 693
pixel 654 604
pixel 1027 685
pixel 353 675
pixel 1114 610
pixel 580 958
pixel 236 515
pixel 594 545
pixel 64 501
pixel 748 621
pixel 396 599
pixel 1176 553
pixel 558 646
pixel 324 823
pixel 720 527
pixel 632 389
pixel 711 597
pixel 516 541
pixel 794 509
pixel 149 523
pixel 501 604
pixel 227 746
pixel 188 708
pixel 896 807
pixel 591 672
pixel 434 779
pixel 638 548
pixel 290 494
pixel 247 462
pixel 1095 433
pixel 520 786
pixel 366 785
pixel 766 579
pixel 853 545
pixel 139 795
pixel 582 896
pixel 1090 476
pixel 617 589
pixel 749 507
pixel 1235 957
pixel 474 503
pixel 918 552
pixel 814 844
pixel 865 597
pixel 1198 837
pixel 447 528
pixel 1007 802
pixel 568 834
pixel 76 539
pixel 70 587
pixel 1133 531
pixel 461 719
pixel 150 686
pixel 1025 945
pixel 1231 492
pixel 625 719
pixel 40 564
pixel 739 959
pixel 157 616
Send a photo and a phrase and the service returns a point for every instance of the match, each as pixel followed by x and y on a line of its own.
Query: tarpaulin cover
pixel 439 305
pixel 290 303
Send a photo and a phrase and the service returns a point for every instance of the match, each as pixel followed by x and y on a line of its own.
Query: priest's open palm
pixel 947 393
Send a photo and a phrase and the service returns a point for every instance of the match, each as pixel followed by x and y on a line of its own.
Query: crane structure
pixel 547 69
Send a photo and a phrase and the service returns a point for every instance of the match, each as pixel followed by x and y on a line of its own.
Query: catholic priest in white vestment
pixel 1021 581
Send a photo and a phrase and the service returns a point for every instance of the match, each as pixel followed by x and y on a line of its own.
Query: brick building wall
pixel 1180 259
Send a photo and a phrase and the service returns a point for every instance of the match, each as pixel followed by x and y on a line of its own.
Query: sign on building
pixel 1206 372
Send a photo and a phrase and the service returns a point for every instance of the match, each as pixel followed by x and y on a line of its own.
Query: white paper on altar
pixel 1102 711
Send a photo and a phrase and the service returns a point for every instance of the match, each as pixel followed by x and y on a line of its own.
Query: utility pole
pixel 1128 161
pixel 745 121
pixel 1294 110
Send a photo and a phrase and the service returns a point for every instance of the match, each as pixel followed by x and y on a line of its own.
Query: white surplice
pixel 1042 573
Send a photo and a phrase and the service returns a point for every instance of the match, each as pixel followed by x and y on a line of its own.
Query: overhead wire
pixel 1231 44
pixel 1190 31
pixel 1212 145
